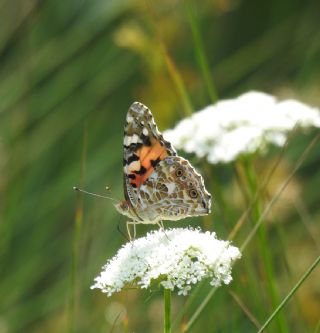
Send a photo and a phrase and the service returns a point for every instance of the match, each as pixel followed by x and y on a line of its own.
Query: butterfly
pixel 158 184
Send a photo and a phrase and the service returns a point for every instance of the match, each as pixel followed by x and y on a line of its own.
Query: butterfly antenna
pixel 94 194
pixel 108 188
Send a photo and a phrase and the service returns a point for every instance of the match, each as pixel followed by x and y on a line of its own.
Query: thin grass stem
pixel 200 52
pixel 279 192
pixel 261 188
pixel 291 293
pixel 252 184
pixel 245 309
pixel 196 314
pixel 190 300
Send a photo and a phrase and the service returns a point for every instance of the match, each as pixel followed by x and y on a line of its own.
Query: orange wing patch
pixel 149 157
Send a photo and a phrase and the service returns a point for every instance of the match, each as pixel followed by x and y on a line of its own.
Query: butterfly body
pixel 158 184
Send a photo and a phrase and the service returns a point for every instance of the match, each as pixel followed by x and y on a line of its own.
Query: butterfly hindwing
pixel 174 191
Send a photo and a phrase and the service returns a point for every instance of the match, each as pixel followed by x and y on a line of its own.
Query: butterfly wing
pixel 158 184
pixel 144 148
pixel 174 191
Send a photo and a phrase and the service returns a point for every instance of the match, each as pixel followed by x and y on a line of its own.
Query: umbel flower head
pixel 242 125
pixel 175 258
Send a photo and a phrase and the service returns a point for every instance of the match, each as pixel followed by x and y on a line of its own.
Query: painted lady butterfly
pixel 158 184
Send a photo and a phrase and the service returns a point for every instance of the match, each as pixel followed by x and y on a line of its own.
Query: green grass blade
pixel 291 293
pixel 200 52
pixel 279 192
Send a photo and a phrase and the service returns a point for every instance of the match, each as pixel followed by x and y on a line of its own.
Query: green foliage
pixel 69 71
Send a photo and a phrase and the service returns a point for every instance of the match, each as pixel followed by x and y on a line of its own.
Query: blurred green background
pixel 69 71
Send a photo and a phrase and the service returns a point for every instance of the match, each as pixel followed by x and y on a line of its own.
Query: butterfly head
pixel 124 208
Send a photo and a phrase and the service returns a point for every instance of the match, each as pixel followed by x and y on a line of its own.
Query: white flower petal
pixel 180 258
pixel 244 125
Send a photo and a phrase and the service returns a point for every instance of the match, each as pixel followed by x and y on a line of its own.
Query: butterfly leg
pixel 161 226
pixel 134 230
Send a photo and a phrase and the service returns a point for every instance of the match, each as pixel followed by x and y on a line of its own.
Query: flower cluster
pixel 243 125
pixel 175 258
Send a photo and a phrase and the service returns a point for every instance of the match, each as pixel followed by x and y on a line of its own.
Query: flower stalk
pixel 167 310
pixel 251 179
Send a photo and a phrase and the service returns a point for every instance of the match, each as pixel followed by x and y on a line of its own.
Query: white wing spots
pixel 126 140
pixel 134 138
pixel 134 166
pixel 145 132
pixel 129 139
pixel 171 187
pixel 129 119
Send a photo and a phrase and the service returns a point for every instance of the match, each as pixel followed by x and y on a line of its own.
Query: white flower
pixel 243 125
pixel 175 258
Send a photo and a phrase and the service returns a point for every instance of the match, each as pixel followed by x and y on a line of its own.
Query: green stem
pixel 256 212
pixel 198 311
pixel 200 52
pixel 167 310
pixel 279 192
pixel 291 293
